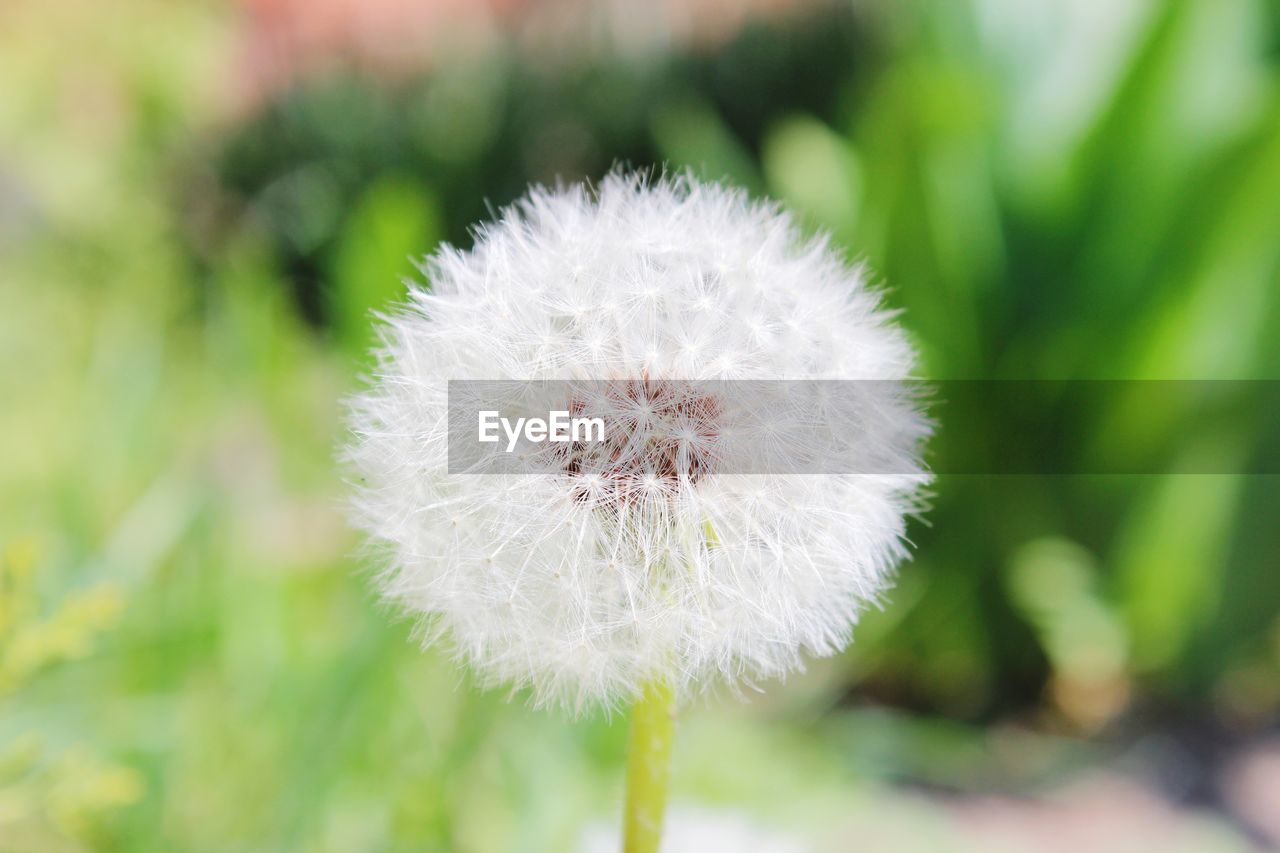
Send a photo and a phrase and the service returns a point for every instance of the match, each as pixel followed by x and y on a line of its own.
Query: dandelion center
pixel 661 437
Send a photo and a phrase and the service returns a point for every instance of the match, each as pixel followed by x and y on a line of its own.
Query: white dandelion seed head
pixel 585 585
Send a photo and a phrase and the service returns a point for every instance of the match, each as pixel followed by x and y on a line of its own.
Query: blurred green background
pixel 201 202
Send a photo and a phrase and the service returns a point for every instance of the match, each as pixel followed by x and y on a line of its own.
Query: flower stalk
pixel 648 768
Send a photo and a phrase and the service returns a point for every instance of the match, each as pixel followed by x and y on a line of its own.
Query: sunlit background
pixel 201 202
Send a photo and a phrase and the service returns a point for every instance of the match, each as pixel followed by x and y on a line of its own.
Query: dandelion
pixel 645 568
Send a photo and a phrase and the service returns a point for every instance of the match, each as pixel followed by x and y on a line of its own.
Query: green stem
pixel 648 759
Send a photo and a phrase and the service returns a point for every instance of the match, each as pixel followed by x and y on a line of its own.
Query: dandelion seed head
pixel 642 557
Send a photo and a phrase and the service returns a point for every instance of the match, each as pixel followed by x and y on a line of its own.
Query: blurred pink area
pixel 284 40
pixel 1253 790
pixel 1103 815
